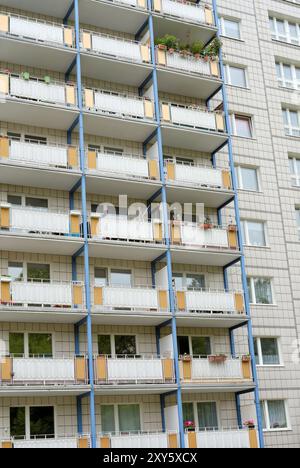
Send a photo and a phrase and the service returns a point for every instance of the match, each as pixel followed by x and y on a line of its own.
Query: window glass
pixel 201 346
pixel 207 415
pixel 104 345
pixel 42 421
pixel 269 348
pixel 178 281
pixel 101 277
pixel 16 344
pixel 14 200
pixel 36 202
pixel 263 291
pixel 40 344
pixel 17 422
pixel 129 418
pixel 243 126
pixel 188 412
pixel 125 345
pixel 249 179
pixel 237 76
pixel 256 352
pixel 115 151
pixel 36 139
pixel 263 413
pixel 108 419
pixel 121 278
pixel 196 282
pixel 256 233
pixel 277 414
pixel 183 345
pixel 15 271
pixel 231 28
pixel 38 272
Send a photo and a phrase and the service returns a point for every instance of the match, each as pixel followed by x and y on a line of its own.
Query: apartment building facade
pixel 126 318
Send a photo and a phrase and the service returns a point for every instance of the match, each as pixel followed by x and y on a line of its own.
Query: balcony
pixel 46 442
pixel 121 238
pixel 134 175
pixel 115 59
pixel 45 103
pixel 182 74
pixel 34 165
pixel 222 439
pixel 22 372
pixel 133 370
pixel 110 113
pixel 138 440
pixel 194 183
pixel 192 127
pixel 35 42
pixel 213 372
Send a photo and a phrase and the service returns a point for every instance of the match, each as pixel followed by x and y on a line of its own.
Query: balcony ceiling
pixel 56 8
pixel 189 138
pixel 211 198
pixel 114 186
pixel 43 390
pixel 35 54
pixel 146 319
pixel 40 177
pixel 125 251
pixel 203 257
pixel 37 315
pixel 35 114
pixel 185 319
pixel 38 244
pixel 134 389
pixel 185 84
pixel 114 70
pixel 112 127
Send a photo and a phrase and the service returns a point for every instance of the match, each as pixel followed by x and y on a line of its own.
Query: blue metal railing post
pixel 240 240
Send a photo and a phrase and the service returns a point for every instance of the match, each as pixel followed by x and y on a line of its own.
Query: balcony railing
pixel 43 371
pixel 124 166
pixel 43 294
pixel 200 236
pixel 115 47
pixel 46 442
pixel 139 440
pixel 142 4
pixel 111 298
pixel 185 10
pixel 37 154
pixel 37 90
pixel 214 369
pixel 210 301
pixel 192 117
pixel 197 176
pixel 121 228
pixel 133 369
pixel 187 63
pixel 39 221
pixel 221 439
pixel 118 104
pixel 36 30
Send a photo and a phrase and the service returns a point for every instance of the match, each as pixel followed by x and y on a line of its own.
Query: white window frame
pixel 295 175
pixel 260 362
pixel 234 128
pixel 246 237
pixel 227 69
pixel 297 209
pixel 211 339
pixel 238 170
pixel 222 21
pixel 113 344
pixel 195 410
pixel 108 269
pixel 287 38
pixel 290 130
pixel 26 341
pixel 186 273
pixel 116 414
pixel 294 83
pixel 25 268
pixel 23 200
pixel 27 418
pixel 252 286
pixel 267 417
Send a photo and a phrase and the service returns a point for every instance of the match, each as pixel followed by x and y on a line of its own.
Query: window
pixel 294 163
pixel 101 277
pixel 14 200
pixel 15 271
pixel 203 414
pixel 288 76
pixel 230 28
pixel 254 233
pixel 14 136
pixel 298 221
pixel 113 151
pixel 291 121
pixel 247 178
pixel 36 202
pixel 121 278
pixel 104 345
pixel 117 345
pixel 197 346
pixel 235 76
pixel 267 351
pixel 191 281
pixel 260 291
pixel 36 139
pixel 241 126
pixel 38 272
pixel 32 422
pixel 274 414
pixel 30 344
pixel 285 31
pixel 120 418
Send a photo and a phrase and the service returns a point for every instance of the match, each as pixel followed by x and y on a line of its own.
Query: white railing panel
pixel 41 293
pixel 46 443
pixel 127 2
pixel 133 297
pixel 192 235
pixel 198 175
pixel 182 10
pixel 36 30
pixel 32 369
pixel 192 117
pixel 188 63
pixel 39 154
pixel 223 439
pixel 216 237
pixel 202 369
pixel 118 227
pixel 140 441
pixel 122 165
pixel 39 220
pixel 119 104
pixel 116 47
pixel 37 90
pixel 206 300
pixel 134 369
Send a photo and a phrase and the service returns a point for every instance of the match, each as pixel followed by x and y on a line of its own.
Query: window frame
pixel 26 341
pixel 282 81
pixel 238 171
pixel 25 269
pixel 246 236
pixel 184 276
pixel 289 129
pixel 228 79
pixel 295 175
pixel 24 198
pixel 222 21
pixel 113 345
pixel 116 415
pixel 265 404
pixel 233 119
pixel 27 434
pixel 210 337
pixel 195 411
pixel 260 362
pixel 253 293
pixel 287 38
pixel 108 277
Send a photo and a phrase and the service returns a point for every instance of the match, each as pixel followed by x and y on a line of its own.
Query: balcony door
pixel 189 281
pixel 204 415
pixel 124 419
pixel 31 345
pixel 121 346
pixel 31 272
pixel 34 422
pixel 195 346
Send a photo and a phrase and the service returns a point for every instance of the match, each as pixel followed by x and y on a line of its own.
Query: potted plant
pixel 186 358
pixel 207 223
pixel 217 358
pixel 246 358
pixel 197 48
pixel 249 423
pixel 184 49
pixel 189 425
pixel 212 50
pixel 231 225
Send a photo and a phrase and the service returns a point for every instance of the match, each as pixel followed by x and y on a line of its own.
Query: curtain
pixel 207 415
pixel 129 418
pixel 277 414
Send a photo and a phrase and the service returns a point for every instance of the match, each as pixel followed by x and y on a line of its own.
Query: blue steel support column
pixel 242 260
pixel 85 230
pixel 166 229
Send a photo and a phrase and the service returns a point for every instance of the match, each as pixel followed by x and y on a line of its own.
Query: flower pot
pixel 232 228
pixel 186 358
pixel 171 51
pixel 162 47
pixel 197 56
pixel 246 359
pixel 207 226
pixel 217 359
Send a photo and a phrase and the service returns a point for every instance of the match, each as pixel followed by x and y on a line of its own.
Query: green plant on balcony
pixel 167 42
pixel 197 48
pixel 185 49
pixel 25 75
pixel 212 50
